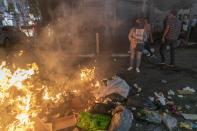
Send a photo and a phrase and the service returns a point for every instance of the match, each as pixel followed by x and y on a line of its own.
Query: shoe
pixel 162 63
pixel 137 70
pixel 130 68
pixel 171 66
pixel 148 55
pixel 153 56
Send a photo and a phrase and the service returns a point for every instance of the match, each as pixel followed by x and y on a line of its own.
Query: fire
pixel 21 101
pixel 21 104
pixel 88 74
pixel 55 99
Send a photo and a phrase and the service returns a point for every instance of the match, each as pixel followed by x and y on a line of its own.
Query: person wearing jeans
pixel 172 44
pixel 138 57
pixel 137 36
pixel 170 37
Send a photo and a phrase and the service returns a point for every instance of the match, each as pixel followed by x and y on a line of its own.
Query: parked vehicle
pixel 11 35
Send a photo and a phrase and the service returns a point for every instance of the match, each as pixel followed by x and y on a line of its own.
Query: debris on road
pixel 188 125
pixel 150 116
pixel 173 109
pixel 116 85
pixel 135 86
pixel 180 96
pixel 160 98
pixel 88 121
pixel 122 119
pixel 189 116
pixel 171 93
pixel 164 81
pixel 169 121
pixel 64 122
pixel 187 107
pixel 186 91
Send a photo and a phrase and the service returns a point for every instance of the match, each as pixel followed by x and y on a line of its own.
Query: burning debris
pixel 24 98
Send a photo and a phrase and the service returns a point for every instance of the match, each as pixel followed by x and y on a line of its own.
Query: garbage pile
pixel 117 105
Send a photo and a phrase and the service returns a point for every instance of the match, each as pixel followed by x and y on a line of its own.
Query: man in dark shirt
pixel 170 37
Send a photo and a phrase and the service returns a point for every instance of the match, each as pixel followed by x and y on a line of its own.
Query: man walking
pixel 170 37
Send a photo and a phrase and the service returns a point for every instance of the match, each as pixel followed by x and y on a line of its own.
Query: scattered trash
pixel 135 86
pixel 187 107
pixel 115 97
pixel 62 123
pixel 169 97
pixel 101 108
pixel 139 89
pixel 164 81
pixel 93 122
pixel 189 89
pixel 188 125
pixel 160 98
pixel 171 93
pixel 122 119
pixel 134 101
pixel 150 116
pixel 149 105
pixel 186 91
pixel 133 109
pixel 117 85
pixel 151 98
pixel 180 96
pixel 169 121
pixel 189 116
pixel 40 126
pixel 173 109
pixel 139 102
pixel 137 94
pixel 75 129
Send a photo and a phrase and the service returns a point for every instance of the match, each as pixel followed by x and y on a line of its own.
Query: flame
pixel 19 96
pixel 21 104
pixel 88 74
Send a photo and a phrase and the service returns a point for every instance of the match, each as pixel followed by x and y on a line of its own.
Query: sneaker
pixel 153 56
pixel 162 63
pixel 148 55
pixel 137 70
pixel 171 66
pixel 130 68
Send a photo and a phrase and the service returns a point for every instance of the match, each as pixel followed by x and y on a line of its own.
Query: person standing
pixel 137 36
pixel 147 26
pixel 193 25
pixel 170 37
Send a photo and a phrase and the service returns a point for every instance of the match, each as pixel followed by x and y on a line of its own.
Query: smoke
pixel 174 4
pixel 71 31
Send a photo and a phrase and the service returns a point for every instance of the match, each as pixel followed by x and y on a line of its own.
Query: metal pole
pixel 97 44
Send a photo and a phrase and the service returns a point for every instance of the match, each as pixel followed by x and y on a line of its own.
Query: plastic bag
pixel 117 85
pixel 122 119
pixel 93 122
pixel 169 121
pixel 150 116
